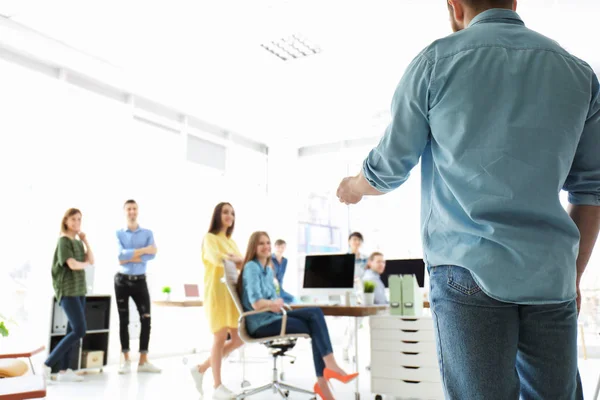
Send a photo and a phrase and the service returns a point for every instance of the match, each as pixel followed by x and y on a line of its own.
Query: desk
pixel 355 312
pixel 23 387
pixel 178 303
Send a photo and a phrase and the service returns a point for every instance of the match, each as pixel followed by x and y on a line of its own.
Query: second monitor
pixel 330 274
pixel 404 267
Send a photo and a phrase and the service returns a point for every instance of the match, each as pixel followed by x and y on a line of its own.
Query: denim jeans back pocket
pixel 461 280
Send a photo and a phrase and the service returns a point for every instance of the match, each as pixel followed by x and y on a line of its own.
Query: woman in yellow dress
pixel 220 309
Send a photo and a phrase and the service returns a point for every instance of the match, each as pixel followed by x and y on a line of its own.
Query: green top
pixel 66 281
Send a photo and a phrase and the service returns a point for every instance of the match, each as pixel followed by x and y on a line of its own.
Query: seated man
pixel 257 292
pixel 279 266
pixel 375 267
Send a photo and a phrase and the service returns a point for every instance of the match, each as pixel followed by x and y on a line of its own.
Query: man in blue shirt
pixel 279 266
pixel 136 248
pixel 502 119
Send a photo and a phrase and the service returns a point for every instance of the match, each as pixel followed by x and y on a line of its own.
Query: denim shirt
pixel 128 241
pixel 258 285
pixel 502 119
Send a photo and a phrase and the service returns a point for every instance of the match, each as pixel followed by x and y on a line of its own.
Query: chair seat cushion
pixel 10 368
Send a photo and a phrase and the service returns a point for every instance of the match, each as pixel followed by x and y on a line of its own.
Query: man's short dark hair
pixel 130 201
pixel 356 235
pixel 280 242
pixel 480 5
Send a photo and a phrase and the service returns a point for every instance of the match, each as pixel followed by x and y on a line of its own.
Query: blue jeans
pixel 75 309
pixel 307 320
pixel 490 350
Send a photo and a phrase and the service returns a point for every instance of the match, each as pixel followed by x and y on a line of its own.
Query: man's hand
pixel 82 236
pixel 135 259
pixel 346 192
pixel 276 305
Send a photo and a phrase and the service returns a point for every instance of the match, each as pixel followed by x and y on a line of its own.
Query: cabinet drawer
pixel 399 346
pixel 403 335
pixel 407 390
pixel 401 323
pixel 418 374
pixel 400 359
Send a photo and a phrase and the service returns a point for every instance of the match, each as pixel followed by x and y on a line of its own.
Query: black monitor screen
pixel 404 267
pixel 334 271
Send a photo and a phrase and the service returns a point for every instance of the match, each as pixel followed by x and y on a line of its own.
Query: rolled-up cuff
pixel 584 199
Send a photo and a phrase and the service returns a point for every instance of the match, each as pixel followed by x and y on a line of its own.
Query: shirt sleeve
pixel 149 242
pixel 124 254
pixel 251 283
pixel 211 250
pixel 583 181
pixel 389 164
pixel 65 250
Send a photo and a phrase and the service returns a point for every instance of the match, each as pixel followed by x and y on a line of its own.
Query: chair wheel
pixel 378 397
pixel 287 393
pixel 245 384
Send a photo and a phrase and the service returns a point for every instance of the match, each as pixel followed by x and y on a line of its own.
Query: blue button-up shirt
pixel 258 285
pixel 502 118
pixel 129 241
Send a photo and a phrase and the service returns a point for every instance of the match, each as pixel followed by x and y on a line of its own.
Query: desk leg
pixel 357 390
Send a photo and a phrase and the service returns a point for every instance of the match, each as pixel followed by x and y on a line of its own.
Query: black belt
pixel 132 277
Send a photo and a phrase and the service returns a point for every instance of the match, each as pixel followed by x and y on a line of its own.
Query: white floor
pixel 175 382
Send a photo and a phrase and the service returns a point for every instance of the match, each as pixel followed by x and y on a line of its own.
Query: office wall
pixel 61 147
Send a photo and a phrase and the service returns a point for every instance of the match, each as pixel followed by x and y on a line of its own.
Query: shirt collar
pixel 497 15
pixel 129 230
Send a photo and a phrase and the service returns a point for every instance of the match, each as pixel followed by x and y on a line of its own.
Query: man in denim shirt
pixel 502 119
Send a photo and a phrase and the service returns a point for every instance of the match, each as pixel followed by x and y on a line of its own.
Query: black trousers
pixel 133 286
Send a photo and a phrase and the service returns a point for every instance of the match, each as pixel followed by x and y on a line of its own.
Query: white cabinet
pixel 403 358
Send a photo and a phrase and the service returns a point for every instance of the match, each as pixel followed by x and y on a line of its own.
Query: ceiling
pixel 205 57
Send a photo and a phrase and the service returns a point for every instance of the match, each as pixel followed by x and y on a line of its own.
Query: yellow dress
pixel 218 305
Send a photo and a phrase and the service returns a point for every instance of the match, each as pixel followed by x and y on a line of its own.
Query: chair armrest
pixel 254 312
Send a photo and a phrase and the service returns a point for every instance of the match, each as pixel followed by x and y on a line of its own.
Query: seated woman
pixel 257 291
pixel 375 267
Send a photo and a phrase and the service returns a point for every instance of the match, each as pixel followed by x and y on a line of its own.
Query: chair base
pixel 281 388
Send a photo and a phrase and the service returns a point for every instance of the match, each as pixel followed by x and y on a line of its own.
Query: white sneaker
pixel 47 372
pixel 222 393
pixel 125 368
pixel 148 367
pixel 69 376
pixel 198 377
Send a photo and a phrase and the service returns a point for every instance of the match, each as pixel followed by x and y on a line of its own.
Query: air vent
pixel 291 47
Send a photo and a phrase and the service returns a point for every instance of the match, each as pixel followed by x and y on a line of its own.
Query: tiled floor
pixel 175 382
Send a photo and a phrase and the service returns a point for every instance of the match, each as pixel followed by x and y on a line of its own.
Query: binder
pixel 412 304
pixel 395 287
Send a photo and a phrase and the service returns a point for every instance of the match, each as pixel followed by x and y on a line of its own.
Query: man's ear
pixel 514 5
pixel 458 10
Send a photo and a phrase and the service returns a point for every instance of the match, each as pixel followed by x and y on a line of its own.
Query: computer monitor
pixel 331 274
pixel 404 267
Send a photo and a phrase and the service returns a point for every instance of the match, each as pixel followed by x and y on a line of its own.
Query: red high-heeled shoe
pixel 318 391
pixel 329 374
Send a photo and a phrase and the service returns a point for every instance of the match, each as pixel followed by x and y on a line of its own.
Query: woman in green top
pixel 71 257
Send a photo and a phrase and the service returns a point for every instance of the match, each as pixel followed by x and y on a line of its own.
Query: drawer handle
pixel 411 382
pixel 408 353
pixel 408 331
pixel 409 341
pixel 409 319
pixel 407 367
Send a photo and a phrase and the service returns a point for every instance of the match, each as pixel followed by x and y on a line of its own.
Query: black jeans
pixel 133 286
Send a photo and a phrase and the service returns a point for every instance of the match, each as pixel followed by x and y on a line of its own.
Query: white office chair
pixel 277 345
